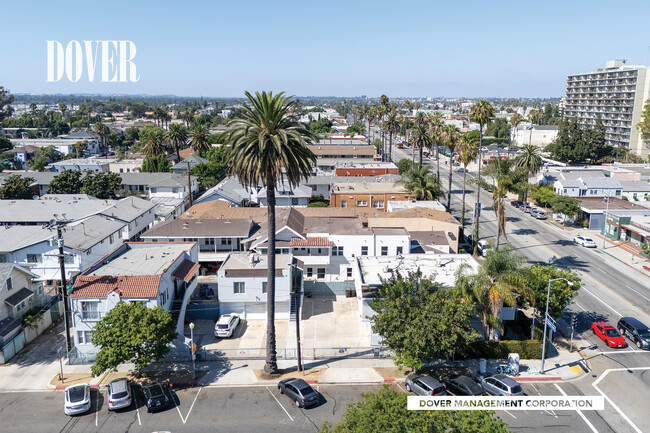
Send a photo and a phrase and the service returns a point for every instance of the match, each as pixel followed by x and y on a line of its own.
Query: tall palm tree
pixel 481 112
pixel 535 115
pixel 62 108
pixel 199 139
pixel 32 108
pixel 467 150
pixel 498 193
pixel 103 131
pixel 177 137
pixel 452 137
pixel 530 162
pixel 267 146
pixel 392 126
pixel 515 120
pixel 498 281
pixel 421 138
pixel 188 116
pixel 437 127
pixel 422 183
pixel 154 143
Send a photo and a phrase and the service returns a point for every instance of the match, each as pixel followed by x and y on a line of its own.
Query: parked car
pixel 500 384
pixel 526 209
pixel 77 399
pixel 155 397
pixel 119 394
pixel 462 385
pixel 516 203
pixel 585 241
pixel 424 385
pixel 460 170
pixel 608 334
pixel 538 214
pixel 299 391
pixel 226 325
pixel 635 330
pixel 484 247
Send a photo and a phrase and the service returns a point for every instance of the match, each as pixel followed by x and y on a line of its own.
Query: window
pixel 310 272
pixel 112 238
pixel 264 288
pixel 89 310
pixel 209 241
pixel 364 251
pixel 344 203
pixel 349 272
pixel 34 258
pixel 68 259
pixel 384 251
pixel 20 306
pixel 399 250
pixel 239 287
pixel 379 204
pixel 337 251
pixel 3 258
pixel 226 241
pixel 321 273
pixel 84 337
pixel 10 284
pixel 362 203
pixel 295 201
pixel 163 298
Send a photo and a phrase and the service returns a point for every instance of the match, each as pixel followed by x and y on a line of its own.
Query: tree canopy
pixel 131 332
pixel 537 277
pixel 17 187
pixel 421 320
pixel 156 164
pixel 68 182
pixel 101 185
pixel 578 144
pixel 386 411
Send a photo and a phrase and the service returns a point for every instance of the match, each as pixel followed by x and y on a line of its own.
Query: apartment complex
pixel 616 93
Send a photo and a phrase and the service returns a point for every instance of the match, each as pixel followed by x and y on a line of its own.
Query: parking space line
pixel 97 408
pixel 138 412
pixel 188 412
pixel 510 414
pixel 397 384
pixel 582 415
pixel 609 400
pixel 276 399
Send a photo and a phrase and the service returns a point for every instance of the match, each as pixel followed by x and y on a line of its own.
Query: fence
pixel 12 347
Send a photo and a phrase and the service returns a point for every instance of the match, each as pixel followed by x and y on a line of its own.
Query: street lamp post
pixel 193 349
pixel 606 224
pixel 548 295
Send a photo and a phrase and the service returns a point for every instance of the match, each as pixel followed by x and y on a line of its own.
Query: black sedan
pixel 155 397
pixel 463 385
pixel 299 391
pixel 516 203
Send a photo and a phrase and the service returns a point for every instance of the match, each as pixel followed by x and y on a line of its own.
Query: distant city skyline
pixel 405 49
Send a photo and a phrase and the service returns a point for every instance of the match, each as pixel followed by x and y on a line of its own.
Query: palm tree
pixel 498 193
pixel 392 126
pixel 421 138
pixel 188 116
pixel 436 126
pixel 498 281
pixel 267 146
pixel 62 109
pixel 101 130
pixel 154 143
pixel 422 183
pixel 199 139
pixel 530 162
pixel 535 116
pixel 480 113
pixel 177 137
pixel 467 150
pixel 452 137
pixel 32 108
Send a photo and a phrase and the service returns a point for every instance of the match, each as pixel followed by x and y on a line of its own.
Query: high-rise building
pixel 616 94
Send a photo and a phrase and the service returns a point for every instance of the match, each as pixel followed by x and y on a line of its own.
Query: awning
pixel 19 297
pixel 186 270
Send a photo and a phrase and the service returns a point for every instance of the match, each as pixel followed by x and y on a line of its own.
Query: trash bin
pixel 482 368
pixel 513 362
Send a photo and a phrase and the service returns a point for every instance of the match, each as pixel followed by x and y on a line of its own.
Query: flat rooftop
pixel 143 259
pixel 367 188
pixel 188 228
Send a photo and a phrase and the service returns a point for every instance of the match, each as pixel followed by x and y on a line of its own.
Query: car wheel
pixel 408 388
pixel 621 331
pixel 297 403
pixel 281 390
pixel 638 344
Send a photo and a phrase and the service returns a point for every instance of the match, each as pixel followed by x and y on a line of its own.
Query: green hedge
pixel 499 349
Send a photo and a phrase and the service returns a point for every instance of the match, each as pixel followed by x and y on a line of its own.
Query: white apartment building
pixel 617 94
pixel 536 135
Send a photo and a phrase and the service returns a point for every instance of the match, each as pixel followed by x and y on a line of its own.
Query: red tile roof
pixel 186 270
pixel 311 242
pixel 127 286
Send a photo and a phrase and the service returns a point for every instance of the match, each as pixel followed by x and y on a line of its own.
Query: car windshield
pixel 120 394
pixel 516 389
pixel 645 333
pixel 156 391
pixel 611 332
pixel 589 240
pixel 222 326
pixel 76 394
pixel 305 390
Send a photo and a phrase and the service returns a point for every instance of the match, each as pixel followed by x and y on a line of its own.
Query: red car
pixel 608 334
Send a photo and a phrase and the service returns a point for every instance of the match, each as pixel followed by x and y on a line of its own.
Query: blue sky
pixel 341 48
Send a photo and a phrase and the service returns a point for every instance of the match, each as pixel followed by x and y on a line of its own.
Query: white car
pixel 484 247
pixel 226 325
pixel 77 399
pixel 584 241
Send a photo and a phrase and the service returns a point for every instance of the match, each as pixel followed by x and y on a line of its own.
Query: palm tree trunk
pixel 478 191
pixel 498 227
pixel 462 214
pixel 437 161
pixel 178 152
pixel 420 146
pixel 271 364
pixel 390 147
pixel 449 191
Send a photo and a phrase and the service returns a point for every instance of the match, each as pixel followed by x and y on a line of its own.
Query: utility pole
pixel 64 287
pixel 189 182
pixel 296 293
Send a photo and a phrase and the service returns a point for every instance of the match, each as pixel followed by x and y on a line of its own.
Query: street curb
pixel 389 380
pixel 184 384
pixel 62 387
pixel 627 264
pixel 538 379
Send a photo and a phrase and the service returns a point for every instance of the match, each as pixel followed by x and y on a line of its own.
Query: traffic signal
pixel 574 320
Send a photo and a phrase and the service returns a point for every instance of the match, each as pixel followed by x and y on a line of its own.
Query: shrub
pixel 32 317
pixel 499 349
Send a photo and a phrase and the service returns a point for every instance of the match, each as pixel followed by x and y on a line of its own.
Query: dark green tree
pixel 643 126
pixel 17 187
pixel 5 144
pixel 421 320
pixel 321 126
pixel 101 185
pixel 404 166
pixel 568 206
pixel 6 98
pixel 421 183
pixel 156 164
pixel 537 277
pixel 131 332
pixel 209 174
pixel 68 182
pixel 386 411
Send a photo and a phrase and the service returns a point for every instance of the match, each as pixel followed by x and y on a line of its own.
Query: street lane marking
pixel 582 415
pixel 609 400
pixel 603 302
pixel 138 412
pixel 276 399
pixel 189 411
pixel 97 407
pixel 510 414
pixel 637 292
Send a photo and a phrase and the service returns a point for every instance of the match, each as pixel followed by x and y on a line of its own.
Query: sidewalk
pixel 624 252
